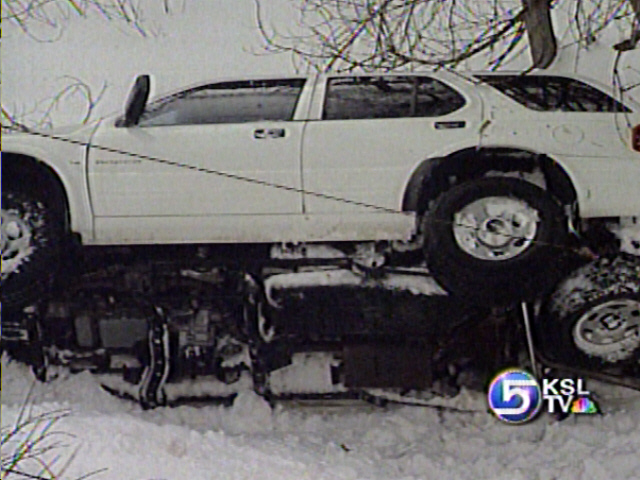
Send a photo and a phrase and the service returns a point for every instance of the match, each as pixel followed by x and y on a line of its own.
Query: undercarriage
pixel 180 325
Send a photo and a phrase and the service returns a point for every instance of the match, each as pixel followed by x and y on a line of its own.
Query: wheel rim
pixel 16 242
pixel 610 331
pixel 495 228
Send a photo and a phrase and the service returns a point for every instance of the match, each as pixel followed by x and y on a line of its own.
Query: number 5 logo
pixel 514 396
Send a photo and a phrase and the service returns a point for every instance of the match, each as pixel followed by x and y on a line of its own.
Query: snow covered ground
pixel 117 440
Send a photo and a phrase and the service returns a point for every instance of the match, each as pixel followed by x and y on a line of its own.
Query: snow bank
pixel 356 441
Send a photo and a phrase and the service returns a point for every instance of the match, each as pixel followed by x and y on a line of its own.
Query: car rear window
pixel 370 97
pixel 550 93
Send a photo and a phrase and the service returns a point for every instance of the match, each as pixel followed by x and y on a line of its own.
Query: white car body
pixel 322 180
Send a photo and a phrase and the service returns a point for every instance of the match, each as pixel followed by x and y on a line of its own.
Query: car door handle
pixel 448 125
pixel 261 133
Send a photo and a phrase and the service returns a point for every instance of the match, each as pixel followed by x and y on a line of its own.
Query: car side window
pixel 369 97
pixel 226 102
pixel 546 93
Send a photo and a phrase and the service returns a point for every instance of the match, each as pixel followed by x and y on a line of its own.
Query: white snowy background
pixel 117 440
pixel 203 40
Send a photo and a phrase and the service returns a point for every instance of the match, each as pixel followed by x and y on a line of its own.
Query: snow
pixel 415 283
pixel 628 232
pixel 355 441
pixel 309 372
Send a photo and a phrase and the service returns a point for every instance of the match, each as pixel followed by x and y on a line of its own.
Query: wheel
pixel 593 317
pixel 30 248
pixel 494 240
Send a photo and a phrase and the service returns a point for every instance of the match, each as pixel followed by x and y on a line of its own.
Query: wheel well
pixel 29 174
pixel 435 176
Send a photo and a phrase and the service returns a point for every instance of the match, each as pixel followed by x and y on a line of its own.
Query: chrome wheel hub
pixel 495 228
pixel 16 242
pixel 610 331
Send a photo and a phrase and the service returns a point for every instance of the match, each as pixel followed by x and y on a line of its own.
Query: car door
pixel 213 151
pixel 374 130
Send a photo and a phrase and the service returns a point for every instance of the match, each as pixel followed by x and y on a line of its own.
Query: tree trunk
pixel 542 39
pixel 631 42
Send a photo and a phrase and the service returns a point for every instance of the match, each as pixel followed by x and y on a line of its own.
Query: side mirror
pixel 136 101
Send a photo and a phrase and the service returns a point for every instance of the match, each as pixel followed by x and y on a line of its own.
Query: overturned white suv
pixel 489 175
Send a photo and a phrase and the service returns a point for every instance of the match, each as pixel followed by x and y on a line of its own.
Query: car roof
pixel 471 76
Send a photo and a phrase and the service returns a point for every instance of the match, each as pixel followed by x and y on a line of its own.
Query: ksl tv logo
pixel 515 396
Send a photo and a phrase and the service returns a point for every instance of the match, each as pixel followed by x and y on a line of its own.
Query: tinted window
pixel 228 102
pixel 550 93
pixel 389 97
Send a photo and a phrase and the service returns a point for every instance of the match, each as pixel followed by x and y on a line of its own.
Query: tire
pixel 592 319
pixel 494 241
pixel 31 240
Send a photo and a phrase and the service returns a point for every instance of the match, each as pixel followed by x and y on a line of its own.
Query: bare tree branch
pixel 45 20
pixel 40 115
pixel 392 34
pixel 632 41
